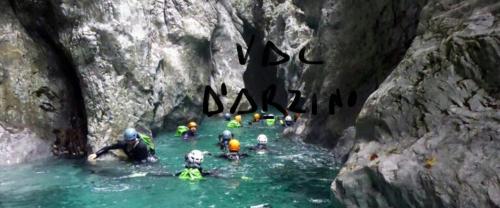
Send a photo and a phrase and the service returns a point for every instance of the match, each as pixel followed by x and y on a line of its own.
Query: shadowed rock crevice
pixel 361 43
pixel 43 23
pixel 256 77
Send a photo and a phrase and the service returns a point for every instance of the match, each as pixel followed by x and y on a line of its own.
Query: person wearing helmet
pixel 227 116
pixel 288 120
pixel 234 151
pixel 135 149
pixel 192 168
pixel 261 143
pixel 269 119
pixel 224 139
pixel 256 119
pixel 191 132
pixel 192 124
pixel 235 123
pixel 237 118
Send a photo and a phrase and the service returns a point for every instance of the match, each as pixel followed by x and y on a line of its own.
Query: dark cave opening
pixel 42 22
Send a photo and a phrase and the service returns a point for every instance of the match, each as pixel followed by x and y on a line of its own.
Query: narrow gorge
pixel 423 130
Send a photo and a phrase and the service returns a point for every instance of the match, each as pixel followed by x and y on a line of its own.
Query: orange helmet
pixel 234 145
pixel 192 124
pixel 256 116
pixel 238 118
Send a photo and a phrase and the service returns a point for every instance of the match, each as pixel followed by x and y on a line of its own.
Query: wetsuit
pixel 188 135
pixel 137 153
pixel 223 142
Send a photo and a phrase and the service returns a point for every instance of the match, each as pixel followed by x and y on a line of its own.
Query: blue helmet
pixel 227 116
pixel 226 134
pixel 130 134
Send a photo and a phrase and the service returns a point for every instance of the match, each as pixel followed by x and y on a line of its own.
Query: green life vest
pixel 181 130
pixel 270 122
pixel 191 174
pixel 233 124
pixel 148 141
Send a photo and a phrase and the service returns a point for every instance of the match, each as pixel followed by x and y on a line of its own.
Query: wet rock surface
pixel 140 63
pixel 36 94
pixel 146 63
pixel 20 145
pixel 433 123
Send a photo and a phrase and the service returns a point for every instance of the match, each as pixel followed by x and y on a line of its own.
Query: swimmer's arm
pixel 107 148
pixel 212 173
pixel 252 148
pixel 162 174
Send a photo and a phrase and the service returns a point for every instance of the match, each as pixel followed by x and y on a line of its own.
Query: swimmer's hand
pixel 207 153
pixel 92 158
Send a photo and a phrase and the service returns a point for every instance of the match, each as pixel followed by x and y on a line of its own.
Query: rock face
pixel 428 136
pixel 143 63
pixel 36 92
pixel 360 43
pixel 140 63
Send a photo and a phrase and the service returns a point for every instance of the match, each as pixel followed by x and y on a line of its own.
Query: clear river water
pixel 291 174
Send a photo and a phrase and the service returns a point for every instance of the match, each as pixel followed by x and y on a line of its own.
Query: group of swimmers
pixel 140 148
pixel 267 119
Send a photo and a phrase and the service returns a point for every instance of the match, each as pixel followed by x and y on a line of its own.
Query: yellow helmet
pixel 234 145
pixel 256 116
pixel 192 124
pixel 238 118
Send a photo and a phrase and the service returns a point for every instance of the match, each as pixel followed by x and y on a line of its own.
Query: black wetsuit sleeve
pixel 242 155
pixel 204 173
pixel 119 145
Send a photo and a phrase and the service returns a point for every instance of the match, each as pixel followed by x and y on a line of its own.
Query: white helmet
pixel 195 156
pixel 288 118
pixel 262 139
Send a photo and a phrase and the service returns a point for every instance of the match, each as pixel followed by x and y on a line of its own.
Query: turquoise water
pixel 292 175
